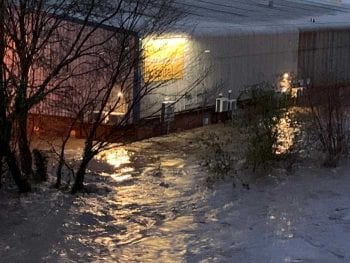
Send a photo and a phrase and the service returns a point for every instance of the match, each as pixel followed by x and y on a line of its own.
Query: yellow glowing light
pixel 296 91
pixel 164 58
pixel 286 134
pixel 114 157
pixel 285 83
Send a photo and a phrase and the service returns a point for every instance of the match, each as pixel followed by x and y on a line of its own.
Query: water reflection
pixel 148 216
pixel 282 224
pixel 114 157
pixel 286 131
pixel 176 162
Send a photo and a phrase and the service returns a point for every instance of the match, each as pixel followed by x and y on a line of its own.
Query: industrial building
pixel 224 46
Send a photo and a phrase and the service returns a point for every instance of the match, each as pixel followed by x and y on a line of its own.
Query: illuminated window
pixel 164 58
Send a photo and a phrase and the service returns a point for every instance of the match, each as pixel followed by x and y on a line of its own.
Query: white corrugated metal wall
pixel 234 61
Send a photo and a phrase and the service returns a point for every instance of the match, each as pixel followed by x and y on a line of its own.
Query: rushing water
pixel 160 210
pixel 151 205
pixel 151 212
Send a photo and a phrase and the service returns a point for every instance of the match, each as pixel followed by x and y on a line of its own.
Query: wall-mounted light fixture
pixel 285 83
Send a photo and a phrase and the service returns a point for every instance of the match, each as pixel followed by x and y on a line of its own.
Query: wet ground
pixel 153 205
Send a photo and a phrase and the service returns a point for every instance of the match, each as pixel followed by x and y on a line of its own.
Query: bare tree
pixel 6 120
pixel 113 103
pixel 48 47
pixel 329 110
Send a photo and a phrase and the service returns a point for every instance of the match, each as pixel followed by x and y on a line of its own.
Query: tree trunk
pixel 61 160
pixel 59 174
pixel 9 157
pixel 22 183
pixel 80 176
pixel 25 155
pixel 1 170
pixel 87 156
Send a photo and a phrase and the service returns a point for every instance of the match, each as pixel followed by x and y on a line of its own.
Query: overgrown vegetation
pixel 1 171
pixel 276 129
pixel 264 117
pixel 328 110
pixel 83 70
pixel 265 129
pixel 40 162
pixel 219 156
pixel 222 157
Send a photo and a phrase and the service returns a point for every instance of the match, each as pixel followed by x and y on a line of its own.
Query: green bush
pixel 262 113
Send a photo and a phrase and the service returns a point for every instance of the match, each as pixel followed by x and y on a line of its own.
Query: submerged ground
pixel 153 205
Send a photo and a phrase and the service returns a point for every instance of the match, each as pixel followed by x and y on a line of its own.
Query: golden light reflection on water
pixel 115 157
pixel 282 224
pixel 121 178
pixel 178 163
pixel 137 218
pixel 286 135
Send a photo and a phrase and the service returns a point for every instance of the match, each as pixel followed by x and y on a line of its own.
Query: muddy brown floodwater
pixel 150 214
pixel 150 204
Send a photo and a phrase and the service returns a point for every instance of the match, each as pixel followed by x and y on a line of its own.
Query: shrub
pixel 218 155
pixel 222 157
pixel 329 112
pixel 40 161
pixel 263 112
pixel 1 171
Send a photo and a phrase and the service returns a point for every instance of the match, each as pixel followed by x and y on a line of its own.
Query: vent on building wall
pixel 168 111
pixel 232 105
pixel 223 104
pixel 167 116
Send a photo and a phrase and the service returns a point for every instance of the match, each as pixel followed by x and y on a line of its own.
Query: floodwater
pixel 151 204
pixel 146 198
pixel 151 213
pixel 162 211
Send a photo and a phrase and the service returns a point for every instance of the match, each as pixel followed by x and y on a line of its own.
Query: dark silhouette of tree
pixel 48 47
